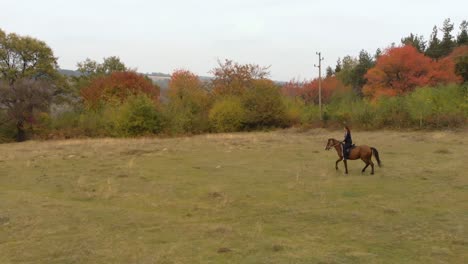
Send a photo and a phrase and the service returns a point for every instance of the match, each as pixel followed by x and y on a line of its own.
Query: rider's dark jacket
pixel 348 142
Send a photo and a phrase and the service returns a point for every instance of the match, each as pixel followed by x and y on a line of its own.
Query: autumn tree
pixel 263 105
pixel 91 69
pixel 231 78
pixel 401 69
pixel 25 57
pixel 117 87
pixel 23 100
pixel 29 79
pixel 188 104
pixel 309 90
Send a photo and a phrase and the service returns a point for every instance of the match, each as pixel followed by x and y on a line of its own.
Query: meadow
pixel 260 197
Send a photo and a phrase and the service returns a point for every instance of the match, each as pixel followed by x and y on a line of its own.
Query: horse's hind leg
pixel 336 164
pixel 346 166
pixel 372 166
pixel 367 165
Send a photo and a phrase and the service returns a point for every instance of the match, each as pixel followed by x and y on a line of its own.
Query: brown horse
pixel 359 152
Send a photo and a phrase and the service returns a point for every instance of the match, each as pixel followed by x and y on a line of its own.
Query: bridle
pixel 329 147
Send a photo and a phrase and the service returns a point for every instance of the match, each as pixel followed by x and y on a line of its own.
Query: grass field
pixel 235 198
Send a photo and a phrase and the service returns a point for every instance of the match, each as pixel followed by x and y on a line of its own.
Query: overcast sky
pixel 160 36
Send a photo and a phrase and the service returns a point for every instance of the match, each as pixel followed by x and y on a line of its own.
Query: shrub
pixel 188 106
pixel 264 105
pixel 137 116
pixel 297 112
pixel 392 112
pixel 7 128
pixel 116 88
pixel 227 115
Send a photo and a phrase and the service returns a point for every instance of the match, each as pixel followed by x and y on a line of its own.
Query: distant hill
pixel 70 73
pixel 161 79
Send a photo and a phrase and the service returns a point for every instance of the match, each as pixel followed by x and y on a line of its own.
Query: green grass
pixel 235 198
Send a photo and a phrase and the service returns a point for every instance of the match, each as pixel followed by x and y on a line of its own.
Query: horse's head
pixel 331 143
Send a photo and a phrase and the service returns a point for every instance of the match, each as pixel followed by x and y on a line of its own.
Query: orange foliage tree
pixel 184 83
pixel 231 78
pixel 401 69
pixel 116 87
pixel 309 90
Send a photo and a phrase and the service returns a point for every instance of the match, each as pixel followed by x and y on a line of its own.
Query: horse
pixel 362 152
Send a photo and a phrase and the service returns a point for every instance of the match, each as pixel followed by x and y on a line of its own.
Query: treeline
pixel 417 84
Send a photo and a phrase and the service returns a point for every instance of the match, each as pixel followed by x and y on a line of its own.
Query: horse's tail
pixel 376 154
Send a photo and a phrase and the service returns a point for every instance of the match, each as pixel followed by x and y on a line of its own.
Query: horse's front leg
pixel 346 166
pixel 338 161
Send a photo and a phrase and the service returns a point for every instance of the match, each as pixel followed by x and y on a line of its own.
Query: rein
pixel 339 142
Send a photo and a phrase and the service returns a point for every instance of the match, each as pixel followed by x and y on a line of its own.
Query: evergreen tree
pixel 338 66
pixel 329 72
pixel 462 38
pixel 377 54
pixel 365 62
pixel 447 44
pixel 415 41
pixel 434 48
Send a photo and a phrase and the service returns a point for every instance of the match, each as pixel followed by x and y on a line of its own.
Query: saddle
pixel 350 147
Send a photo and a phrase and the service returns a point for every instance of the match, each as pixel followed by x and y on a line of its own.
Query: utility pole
pixel 320 82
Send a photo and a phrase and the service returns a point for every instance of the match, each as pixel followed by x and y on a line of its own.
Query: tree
pixel 263 105
pixel 117 87
pixel 460 57
pixel 338 66
pixel 401 69
pixel 353 71
pixel 447 44
pixel 434 49
pixel 25 57
pixel 377 54
pixel 415 41
pixel 462 38
pixel 22 100
pixel 231 78
pixel 365 62
pixel 188 103
pixel 91 69
pixel 330 72
pixel 308 90
pixel 346 72
pixel 109 65
pixel 28 76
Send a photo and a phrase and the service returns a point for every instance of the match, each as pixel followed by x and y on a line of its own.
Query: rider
pixel 348 142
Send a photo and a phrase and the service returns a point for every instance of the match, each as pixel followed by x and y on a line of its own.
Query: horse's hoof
pixel 372 173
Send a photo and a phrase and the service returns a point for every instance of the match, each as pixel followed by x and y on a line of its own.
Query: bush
pixel 264 105
pixel 443 106
pixel 227 115
pixel 297 112
pixel 188 106
pixel 392 112
pixel 7 128
pixel 137 116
